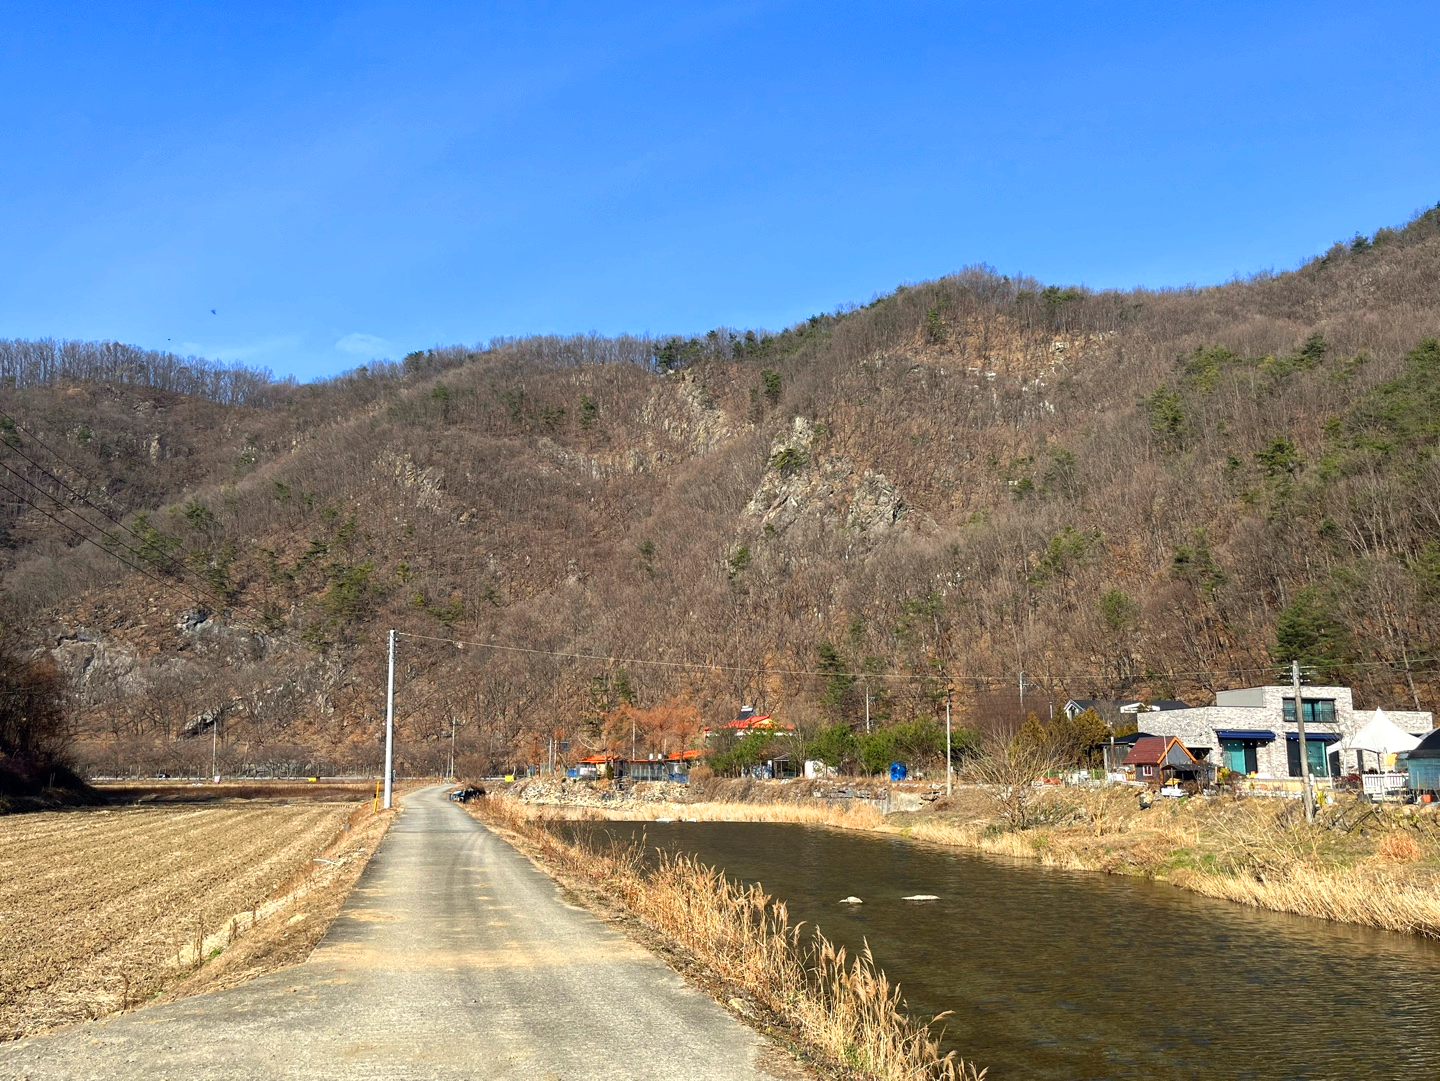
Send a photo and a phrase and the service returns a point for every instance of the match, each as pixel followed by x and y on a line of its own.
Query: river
pixel 1068 975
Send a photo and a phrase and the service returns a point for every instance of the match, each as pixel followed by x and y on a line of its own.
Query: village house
pixel 750 720
pixel 1164 760
pixel 1253 730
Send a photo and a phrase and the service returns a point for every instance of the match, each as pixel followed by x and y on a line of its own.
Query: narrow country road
pixel 453 958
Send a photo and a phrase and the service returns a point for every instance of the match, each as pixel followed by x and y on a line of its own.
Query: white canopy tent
pixel 1381 736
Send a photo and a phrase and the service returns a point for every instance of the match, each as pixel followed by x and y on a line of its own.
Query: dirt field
pixel 105 909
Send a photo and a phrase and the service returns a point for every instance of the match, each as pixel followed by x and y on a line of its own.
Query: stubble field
pixel 105 909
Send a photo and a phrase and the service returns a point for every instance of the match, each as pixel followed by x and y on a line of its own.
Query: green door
pixel 1239 755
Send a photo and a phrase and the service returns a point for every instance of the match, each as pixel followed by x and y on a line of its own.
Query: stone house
pixel 1252 730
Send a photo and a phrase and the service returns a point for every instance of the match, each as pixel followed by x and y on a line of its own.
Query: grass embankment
pixel 838 1011
pixel 1376 866
pixel 103 910
pixel 1357 863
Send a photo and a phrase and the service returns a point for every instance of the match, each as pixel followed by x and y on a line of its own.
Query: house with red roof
pixel 748 720
pixel 1162 760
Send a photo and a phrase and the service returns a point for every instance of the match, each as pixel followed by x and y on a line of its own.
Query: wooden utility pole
pixel 1308 790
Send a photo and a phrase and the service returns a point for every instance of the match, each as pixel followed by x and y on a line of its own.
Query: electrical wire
pixel 1050 678
pixel 194 593
pixel 73 468
pixel 181 590
pixel 137 553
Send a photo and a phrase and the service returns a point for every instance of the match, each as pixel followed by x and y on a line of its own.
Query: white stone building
pixel 1252 730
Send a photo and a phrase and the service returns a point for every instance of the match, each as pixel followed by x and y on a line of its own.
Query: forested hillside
pixel 1139 493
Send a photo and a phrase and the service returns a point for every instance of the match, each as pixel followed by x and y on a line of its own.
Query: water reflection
pixel 1055 974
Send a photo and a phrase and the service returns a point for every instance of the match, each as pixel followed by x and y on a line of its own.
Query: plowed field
pixel 101 910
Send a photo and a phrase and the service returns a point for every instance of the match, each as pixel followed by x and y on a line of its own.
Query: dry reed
pixel 842 1009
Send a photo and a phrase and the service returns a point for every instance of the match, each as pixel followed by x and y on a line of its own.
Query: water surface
pixel 1066 975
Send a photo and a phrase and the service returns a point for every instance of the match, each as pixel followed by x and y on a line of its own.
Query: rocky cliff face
pixel 802 480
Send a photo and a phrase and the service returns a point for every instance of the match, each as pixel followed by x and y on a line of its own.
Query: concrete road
pixel 453 958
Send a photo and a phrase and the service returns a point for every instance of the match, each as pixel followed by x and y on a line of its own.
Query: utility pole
pixel 949 768
pixel 1022 696
pixel 390 723
pixel 632 737
pixel 214 748
pixel 1308 790
pixel 452 746
pixel 867 709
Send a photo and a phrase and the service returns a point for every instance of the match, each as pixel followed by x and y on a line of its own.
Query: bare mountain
pixel 1143 493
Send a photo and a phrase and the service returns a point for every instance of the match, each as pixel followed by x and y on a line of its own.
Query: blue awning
pixel 1256 735
pixel 1316 737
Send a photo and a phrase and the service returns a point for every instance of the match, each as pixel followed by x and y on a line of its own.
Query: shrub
pixel 773 385
pixel 34 730
pixel 789 461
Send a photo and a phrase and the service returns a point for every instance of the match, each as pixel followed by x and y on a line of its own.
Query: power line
pixel 73 468
pixel 191 592
pixel 807 673
pixel 180 589
pixel 84 537
pixel 137 553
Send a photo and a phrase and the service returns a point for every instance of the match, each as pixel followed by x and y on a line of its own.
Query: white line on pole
pixel 949 770
pixel 390 723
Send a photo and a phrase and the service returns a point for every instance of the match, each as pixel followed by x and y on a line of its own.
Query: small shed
pixel 1118 747
pixel 1423 766
pixel 1160 760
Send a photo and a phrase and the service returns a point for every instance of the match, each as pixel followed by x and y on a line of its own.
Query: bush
pixel 34 731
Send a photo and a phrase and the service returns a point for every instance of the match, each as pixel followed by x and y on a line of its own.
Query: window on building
pixel 1316 751
pixel 1317 710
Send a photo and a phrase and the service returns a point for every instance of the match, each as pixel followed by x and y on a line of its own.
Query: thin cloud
pixel 370 345
pixel 262 351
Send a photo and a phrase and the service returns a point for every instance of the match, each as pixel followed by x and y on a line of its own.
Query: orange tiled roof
pixel 764 721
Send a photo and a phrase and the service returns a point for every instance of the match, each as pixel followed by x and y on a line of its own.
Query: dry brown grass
pixel 842 1010
pixel 102 910
pixel 840 814
pixel 1371 866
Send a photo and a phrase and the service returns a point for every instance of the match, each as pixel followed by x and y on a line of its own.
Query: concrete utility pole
pixel 949 769
pixel 452 746
pixel 1308 789
pixel 390 723
pixel 867 709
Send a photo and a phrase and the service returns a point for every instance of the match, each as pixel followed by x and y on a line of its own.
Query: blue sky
pixel 344 181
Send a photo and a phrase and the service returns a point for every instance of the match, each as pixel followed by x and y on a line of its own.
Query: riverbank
pixel 838 1012
pixel 1375 866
